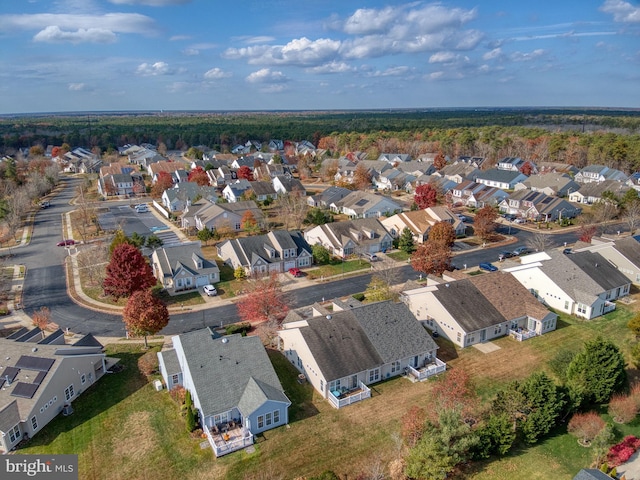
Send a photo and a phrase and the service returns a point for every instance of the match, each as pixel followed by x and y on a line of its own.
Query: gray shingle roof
pixel 591 474
pixel 226 371
pixel 599 269
pixel 630 248
pixel 171 363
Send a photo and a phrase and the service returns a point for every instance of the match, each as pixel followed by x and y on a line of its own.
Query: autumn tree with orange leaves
pixel 145 314
pixel 426 196
pixel 127 272
pixel 199 176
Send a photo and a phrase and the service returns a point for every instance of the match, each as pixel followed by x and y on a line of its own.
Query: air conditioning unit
pixel 67 410
pixel 158 385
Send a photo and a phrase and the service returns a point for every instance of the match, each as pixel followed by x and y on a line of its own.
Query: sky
pixel 115 55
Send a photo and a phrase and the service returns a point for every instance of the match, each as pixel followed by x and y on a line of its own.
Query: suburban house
pixel 327 197
pixel 351 237
pixel 503 179
pixel 182 268
pixel 394 157
pixel 342 353
pixel 556 184
pixel 266 171
pixel 163 166
pixel 599 173
pixel 40 376
pixel 475 161
pixel 512 164
pixel 234 387
pixel 421 221
pixel 277 251
pixel 222 175
pixel 458 172
pixel 244 161
pixel 182 194
pixel 557 167
pixel 263 191
pixel 284 184
pixel 395 179
pixel 220 216
pixel 592 192
pixel 80 160
pixel 537 206
pixel 360 204
pixel 480 308
pixel 584 284
pixel 417 168
pixel 623 253
pixel 235 191
pixel 476 195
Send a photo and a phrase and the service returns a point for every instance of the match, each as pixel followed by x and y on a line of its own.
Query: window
pixel 55 399
pixel 276 416
pixel 566 304
pixel 34 423
pixel 267 419
pixel 41 409
pixel 395 367
pixel 374 375
pixel 83 379
pixel 459 337
pixel 68 392
pixel 582 308
pixel 260 421
pixel 174 379
pixel 14 434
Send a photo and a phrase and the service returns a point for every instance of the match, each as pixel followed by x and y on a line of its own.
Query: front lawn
pixel 337 267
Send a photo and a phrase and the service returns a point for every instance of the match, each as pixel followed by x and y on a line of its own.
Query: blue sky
pixel 87 55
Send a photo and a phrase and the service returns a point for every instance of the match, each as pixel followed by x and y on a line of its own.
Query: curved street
pixel 45 282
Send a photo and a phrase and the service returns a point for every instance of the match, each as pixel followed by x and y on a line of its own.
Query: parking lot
pixel 145 224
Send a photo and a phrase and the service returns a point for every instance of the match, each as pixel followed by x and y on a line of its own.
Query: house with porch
pixel 182 268
pixel 480 308
pixel 220 216
pixel 41 375
pixel 327 197
pixel 592 192
pixel 351 237
pixel 502 179
pixel 360 204
pixel 537 206
pixel 584 284
pixel 341 354
pixel 623 253
pixel 421 221
pixel 553 184
pixel 476 195
pixel 182 194
pixel 277 251
pixel 233 384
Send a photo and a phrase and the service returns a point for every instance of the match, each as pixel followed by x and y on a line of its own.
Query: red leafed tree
pixel 454 391
pixel 485 222
pixel 426 196
pixel 585 426
pixel 246 173
pixel 264 301
pixel 127 272
pixel 431 258
pixel 248 222
pixel 587 232
pixel 526 168
pixel 199 176
pixel 623 408
pixel 163 182
pixel 442 233
pixel 55 151
pixel 412 426
pixel 145 314
pixel 439 162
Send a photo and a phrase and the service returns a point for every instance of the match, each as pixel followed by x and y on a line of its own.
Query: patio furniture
pixel 336 393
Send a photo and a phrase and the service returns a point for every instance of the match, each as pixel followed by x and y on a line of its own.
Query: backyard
pixel 319 437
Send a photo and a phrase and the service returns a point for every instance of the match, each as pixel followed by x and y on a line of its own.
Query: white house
pixel 182 267
pixel 365 235
pixel 360 204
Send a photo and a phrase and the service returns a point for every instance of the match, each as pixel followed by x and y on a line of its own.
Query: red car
pixel 66 242
pixel 295 272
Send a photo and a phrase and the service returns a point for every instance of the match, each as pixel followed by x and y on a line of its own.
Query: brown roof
pixel 509 296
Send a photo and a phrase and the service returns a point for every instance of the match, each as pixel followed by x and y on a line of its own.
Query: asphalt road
pixel 45 283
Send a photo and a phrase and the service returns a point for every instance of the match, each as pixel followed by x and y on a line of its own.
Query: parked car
pixel 372 257
pixel 45 204
pixel 65 243
pixel 489 267
pixel 210 290
pixel 296 272
pixel 462 218
pixel 509 216
pixel 506 254
pixel 567 251
pixel 521 251
pixel 520 220
pixel 142 208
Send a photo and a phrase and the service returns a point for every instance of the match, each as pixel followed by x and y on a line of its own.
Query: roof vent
pixel 34 349
pixel 225 340
pixel 328 317
pixel 446 285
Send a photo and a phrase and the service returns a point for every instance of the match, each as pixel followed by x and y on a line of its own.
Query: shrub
pixel 148 363
pixel 358 296
pixel 242 328
pixel 585 426
pixel 635 393
pixel 623 408
pixel 622 452
pixel 178 393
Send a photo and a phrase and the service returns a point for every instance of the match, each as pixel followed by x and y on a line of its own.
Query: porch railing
pixel 522 335
pixel 609 307
pixel 222 447
pixel 347 398
pixel 428 370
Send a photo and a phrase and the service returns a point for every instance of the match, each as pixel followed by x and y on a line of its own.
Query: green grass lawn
pixel 399 256
pixel 338 268
pixel 122 428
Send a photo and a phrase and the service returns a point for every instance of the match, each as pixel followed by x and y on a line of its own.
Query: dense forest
pixel 578 136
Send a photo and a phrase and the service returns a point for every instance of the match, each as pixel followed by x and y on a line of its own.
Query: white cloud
pixel 251 40
pixel 527 57
pixel 392 72
pixel 266 75
pixel 442 57
pixel 493 54
pixel 191 52
pixel 152 70
pixel 622 11
pixel 77 28
pixel 300 51
pixel 216 74
pixel 53 34
pixel 331 67
pixel 367 21
pixel 77 87
pixel 150 3
pixel 177 38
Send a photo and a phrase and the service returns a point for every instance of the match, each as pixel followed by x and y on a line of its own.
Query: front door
pixel 354 381
pixel 483 335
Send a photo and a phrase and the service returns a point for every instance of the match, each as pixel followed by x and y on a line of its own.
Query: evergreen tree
pixel 405 242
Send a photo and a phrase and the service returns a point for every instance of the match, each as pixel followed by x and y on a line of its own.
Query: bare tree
pixel 87 212
pixel 539 242
pixel 292 209
pixel 92 262
pixel 631 215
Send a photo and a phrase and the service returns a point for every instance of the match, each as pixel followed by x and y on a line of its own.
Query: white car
pixel 210 290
